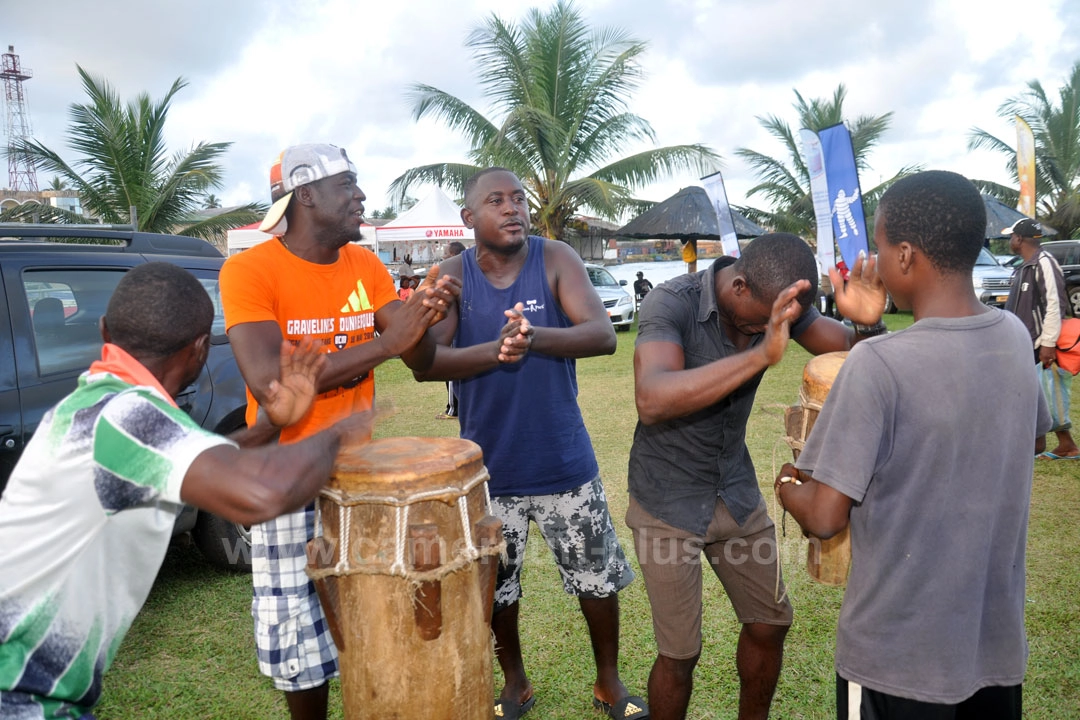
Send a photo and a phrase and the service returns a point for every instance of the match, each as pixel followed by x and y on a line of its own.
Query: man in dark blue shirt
pixel 704 343
pixel 527 311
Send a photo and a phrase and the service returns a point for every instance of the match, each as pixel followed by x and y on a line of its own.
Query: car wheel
pixel 890 306
pixel 224 544
pixel 1074 300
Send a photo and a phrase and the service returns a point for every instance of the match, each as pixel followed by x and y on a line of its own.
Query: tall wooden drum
pixel 827 561
pixel 404 558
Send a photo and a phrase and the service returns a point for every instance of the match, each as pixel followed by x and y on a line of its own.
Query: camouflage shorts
pixel 577 527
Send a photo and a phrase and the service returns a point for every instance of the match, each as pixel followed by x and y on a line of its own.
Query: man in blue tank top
pixel 527 310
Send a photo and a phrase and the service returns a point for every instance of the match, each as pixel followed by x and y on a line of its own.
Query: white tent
pixel 425 229
pixel 242 238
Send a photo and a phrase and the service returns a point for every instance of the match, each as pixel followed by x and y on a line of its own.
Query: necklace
pixel 282 239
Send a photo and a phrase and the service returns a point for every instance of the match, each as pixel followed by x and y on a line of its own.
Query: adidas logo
pixel 631 709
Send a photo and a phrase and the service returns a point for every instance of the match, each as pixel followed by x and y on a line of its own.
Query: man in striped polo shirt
pixel 88 511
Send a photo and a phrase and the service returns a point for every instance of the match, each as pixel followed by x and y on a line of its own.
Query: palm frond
pixel 652 165
pixel 449 176
pixel 214 227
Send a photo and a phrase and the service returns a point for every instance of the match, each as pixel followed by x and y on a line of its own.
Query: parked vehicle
pixel 990 279
pixel 618 303
pixel 55 283
pixel 1067 254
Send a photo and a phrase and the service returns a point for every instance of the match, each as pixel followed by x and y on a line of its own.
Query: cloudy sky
pixel 265 74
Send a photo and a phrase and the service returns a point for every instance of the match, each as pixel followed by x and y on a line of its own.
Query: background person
pixel 405 283
pixel 932 623
pixel 89 510
pixel 1037 295
pixel 641 288
pixel 313 279
pixel 527 311
pixel 704 342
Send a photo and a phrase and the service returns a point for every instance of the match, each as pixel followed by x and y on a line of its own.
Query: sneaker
pixel 444 416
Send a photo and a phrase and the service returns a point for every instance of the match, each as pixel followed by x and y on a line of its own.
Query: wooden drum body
pixel 405 558
pixel 827 561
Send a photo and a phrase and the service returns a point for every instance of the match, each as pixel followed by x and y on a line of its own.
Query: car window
pixel 1067 254
pixel 985 258
pixel 65 306
pixel 601 277
pixel 209 280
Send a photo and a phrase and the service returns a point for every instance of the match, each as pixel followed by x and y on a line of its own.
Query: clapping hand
pixel 289 398
pixel 516 336
pixel 862 298
pixel 438 293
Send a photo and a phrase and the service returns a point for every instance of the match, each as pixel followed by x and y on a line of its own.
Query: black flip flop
pixel 510 712
pixel 630 707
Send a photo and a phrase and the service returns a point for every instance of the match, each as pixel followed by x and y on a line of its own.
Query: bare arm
pixel 405 326
pixel 592 332
pixel 450 363
pixel 401 328
pixel 265 482
pixel 664 389
pixel 819 509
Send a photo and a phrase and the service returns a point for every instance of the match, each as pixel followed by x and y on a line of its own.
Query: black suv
pixel 55 282
pixel 1067 254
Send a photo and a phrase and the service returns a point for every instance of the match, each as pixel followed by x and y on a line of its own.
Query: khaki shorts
pixel 743 558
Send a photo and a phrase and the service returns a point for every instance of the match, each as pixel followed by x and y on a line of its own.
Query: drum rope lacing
pixel 806 403
pixel 778 596
pixel 398 567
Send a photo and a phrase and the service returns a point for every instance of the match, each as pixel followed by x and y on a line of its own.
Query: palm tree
pixel 785 183
pixel 212 202
pixel 124 164
pixel 57 184
pixel 1056 128
pixel 559 93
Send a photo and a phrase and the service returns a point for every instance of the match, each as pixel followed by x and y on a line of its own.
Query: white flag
pixel 714 188
pixel 819 193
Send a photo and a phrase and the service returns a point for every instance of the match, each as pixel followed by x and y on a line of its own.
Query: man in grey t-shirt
pixel 934 610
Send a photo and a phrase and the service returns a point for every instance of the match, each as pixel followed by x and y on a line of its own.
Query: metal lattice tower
pixel 21 172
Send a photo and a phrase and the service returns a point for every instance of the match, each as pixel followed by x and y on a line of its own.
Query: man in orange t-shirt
pixel 312 280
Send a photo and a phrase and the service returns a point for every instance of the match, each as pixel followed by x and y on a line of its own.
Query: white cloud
pixel 267 74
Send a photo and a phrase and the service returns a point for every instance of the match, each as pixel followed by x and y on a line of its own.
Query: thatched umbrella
pixel 1000 216
pixel 688 216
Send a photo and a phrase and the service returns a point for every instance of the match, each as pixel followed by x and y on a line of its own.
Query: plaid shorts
pixel 577 527
pixel 292 638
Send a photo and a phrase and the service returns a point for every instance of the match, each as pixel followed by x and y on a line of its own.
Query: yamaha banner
pixel 845 196
pixel 714 188
pixel 819 194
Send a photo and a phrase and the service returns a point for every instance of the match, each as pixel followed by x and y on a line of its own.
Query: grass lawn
pixel 190 653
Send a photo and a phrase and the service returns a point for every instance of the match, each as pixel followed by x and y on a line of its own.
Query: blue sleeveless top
pixel 523 415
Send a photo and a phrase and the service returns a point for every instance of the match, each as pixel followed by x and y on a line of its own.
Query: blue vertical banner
pixel 714 188
pixel 845 195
